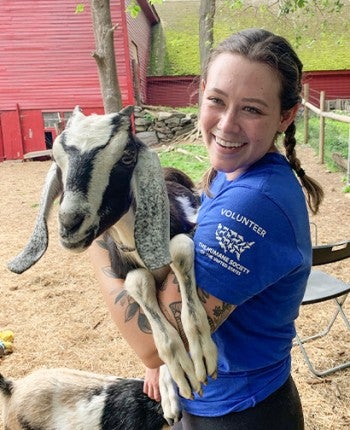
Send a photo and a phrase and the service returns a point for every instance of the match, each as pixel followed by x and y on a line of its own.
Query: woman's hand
pixel 151 384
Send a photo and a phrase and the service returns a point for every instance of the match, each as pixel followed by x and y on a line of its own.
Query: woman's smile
pixel 227 144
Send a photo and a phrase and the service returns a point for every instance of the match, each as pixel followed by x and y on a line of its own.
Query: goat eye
pixel 129 157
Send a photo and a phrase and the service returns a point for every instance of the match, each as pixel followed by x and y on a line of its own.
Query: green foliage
pixel 182 53
pixel 79 8
pixel 327 6
pixel 336 138
pixel 190 158
pixel 134 8
pixel 320 35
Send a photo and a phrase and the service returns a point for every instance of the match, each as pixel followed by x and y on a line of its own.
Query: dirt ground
pixel 59 319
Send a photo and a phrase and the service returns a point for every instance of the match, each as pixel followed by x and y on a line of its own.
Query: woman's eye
pixel 215 100
pixel 252 109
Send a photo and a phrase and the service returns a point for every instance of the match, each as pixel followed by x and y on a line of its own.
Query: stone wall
pixel 154 126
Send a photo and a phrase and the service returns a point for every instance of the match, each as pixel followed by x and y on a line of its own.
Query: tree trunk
pixel 105 56
pixel 206 30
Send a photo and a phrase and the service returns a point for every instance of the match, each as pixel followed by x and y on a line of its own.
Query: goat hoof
pixel 200 393
pixel 214 375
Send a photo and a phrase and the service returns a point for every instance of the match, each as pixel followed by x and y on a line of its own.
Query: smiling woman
pixel 240 122
pixel 254 207
pixel 252 241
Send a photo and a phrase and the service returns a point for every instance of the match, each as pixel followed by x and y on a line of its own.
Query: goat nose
pixel 71 221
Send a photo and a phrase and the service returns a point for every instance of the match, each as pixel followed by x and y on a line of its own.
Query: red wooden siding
pixel 178 91
pixel 46 57
pixel 140 36
pixel 12 135
pixel 46 65
pixel 174 91
pixel 336 84
pixel 2 149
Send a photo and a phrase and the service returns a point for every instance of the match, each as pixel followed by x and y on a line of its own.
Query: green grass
pixel 321 41
pixel 193 158
pixel 336 138
pixel 190 158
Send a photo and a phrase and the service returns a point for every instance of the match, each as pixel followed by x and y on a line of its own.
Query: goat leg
pixel 169 398
pixel 140 285
pixel 194 319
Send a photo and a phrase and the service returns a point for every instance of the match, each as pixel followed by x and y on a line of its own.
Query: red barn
pixel 46 67
pixel 335 83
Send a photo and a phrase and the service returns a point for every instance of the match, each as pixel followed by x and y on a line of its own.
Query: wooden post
pixel 306 113
pixel 322 127
pixel 349 158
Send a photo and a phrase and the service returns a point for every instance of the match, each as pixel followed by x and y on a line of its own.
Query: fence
pixel 323 114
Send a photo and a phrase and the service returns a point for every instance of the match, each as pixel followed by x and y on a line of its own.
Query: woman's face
pixel 240 113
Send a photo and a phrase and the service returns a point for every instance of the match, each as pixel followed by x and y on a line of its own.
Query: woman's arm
pixel 128 315
pixel 125 312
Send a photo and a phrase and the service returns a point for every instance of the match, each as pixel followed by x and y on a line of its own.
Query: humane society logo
pixel 232 244
pixel 231 241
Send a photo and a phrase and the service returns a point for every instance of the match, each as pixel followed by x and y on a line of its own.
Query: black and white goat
pixel 66 399
pixel 110 182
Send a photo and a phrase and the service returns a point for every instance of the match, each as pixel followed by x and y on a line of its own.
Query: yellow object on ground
pixel 6 341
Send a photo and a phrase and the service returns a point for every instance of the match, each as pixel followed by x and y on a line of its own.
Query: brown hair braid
pixel 313 190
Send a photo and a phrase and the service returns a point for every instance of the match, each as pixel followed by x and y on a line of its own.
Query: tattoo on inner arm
pixel 109 272
pixel 102 244
pixel 133 309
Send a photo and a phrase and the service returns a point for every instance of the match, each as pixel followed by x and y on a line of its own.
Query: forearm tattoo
pixel 109 272
pixel 132 308
pixel 102 244
pixel 219 313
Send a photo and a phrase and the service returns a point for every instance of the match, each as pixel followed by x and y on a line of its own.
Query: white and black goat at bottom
pixel 68 399
pixel 111 183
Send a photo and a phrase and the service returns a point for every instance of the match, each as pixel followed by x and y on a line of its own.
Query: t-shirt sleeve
pixel 244 243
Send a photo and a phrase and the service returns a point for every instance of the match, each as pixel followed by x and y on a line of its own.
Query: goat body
pixel 110 182
pixel 67 399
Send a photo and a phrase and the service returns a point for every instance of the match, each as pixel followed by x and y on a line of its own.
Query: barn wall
pixel 32 125
pixel 12 135
pixel 177 91
pixel 47 66
pixel 46 56
pixel 174 91
pixel 336 84
pixel 46 59
pixel 140 30
pixel 2 150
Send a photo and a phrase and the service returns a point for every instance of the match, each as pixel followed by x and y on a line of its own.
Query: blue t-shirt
pixel 253 250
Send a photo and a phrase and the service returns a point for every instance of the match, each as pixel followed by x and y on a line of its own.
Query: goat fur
pixel 67 399
pixel 110 182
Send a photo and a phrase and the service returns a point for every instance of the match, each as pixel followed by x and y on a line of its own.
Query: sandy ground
pixel 59 319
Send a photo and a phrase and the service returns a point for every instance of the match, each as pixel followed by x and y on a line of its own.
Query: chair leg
pixel 312 368
pixel 325 331
pixel 340 301
pixel 300 341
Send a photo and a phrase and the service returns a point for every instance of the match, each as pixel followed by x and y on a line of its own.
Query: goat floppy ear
pixel 152 219
pixel 39 239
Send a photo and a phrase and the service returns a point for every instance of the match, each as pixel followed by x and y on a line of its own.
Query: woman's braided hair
pixel 275 51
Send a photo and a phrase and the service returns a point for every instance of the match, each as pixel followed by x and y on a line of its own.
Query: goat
pixel 110 182
pixel 66 399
